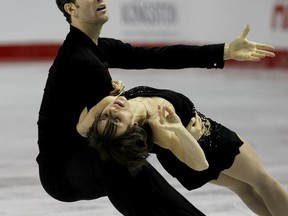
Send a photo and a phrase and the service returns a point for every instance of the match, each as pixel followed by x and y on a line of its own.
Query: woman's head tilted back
pixel 129 148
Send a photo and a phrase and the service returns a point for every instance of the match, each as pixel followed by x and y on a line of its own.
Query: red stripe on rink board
pixel 28 52
pixel 44 52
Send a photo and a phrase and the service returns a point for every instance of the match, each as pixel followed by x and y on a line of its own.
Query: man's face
pixel 91 12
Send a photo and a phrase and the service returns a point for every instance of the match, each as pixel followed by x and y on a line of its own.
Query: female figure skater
pixel 219 156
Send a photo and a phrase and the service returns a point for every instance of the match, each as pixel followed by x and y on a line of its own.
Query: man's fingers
pixel 245 32
pixel 263 54
pixel 264 47
pixel 258 55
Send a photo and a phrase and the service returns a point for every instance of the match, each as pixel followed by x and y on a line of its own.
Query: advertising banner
pixel 149 22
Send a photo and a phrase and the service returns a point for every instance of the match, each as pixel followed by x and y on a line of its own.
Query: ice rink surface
pixel 252 102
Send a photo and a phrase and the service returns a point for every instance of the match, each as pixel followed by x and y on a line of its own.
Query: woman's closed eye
pixel 103 116
pixel 114 120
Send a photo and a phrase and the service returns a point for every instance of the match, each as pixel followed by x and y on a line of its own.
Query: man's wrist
pixel 226 51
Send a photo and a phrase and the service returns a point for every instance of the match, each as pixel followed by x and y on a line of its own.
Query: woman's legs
pixel 245 192
pixel 248 169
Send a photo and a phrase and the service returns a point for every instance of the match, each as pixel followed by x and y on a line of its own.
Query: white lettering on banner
pixel 149 13
pixel 149 20
pixel 280 16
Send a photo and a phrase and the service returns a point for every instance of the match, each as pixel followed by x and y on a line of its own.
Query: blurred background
pixel 34 29
pixel 249 98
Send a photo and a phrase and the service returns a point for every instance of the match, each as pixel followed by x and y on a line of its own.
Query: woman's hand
pixel 118 86
pixel 241 49
pixel 196 127
pixel 170 121
pixel 185 148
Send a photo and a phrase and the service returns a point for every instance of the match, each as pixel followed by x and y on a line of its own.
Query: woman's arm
pixel 86 118
pixel 172 135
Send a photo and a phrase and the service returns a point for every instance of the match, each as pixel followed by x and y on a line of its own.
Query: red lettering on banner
pixel 280 16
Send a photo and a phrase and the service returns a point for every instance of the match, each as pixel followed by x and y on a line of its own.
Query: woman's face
pixel 119 113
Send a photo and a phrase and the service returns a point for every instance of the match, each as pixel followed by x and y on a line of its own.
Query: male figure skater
pixel 79 77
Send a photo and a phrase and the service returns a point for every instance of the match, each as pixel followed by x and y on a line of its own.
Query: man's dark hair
pixel 129 149
pixel 60 4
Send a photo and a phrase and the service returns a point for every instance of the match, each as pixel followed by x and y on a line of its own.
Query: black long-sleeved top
pixel 79 77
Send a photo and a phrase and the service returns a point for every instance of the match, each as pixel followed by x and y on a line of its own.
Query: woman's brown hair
pixel 129 149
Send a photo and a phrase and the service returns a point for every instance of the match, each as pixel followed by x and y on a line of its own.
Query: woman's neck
pixel 151 107
pixel 141 110
pixel 146 108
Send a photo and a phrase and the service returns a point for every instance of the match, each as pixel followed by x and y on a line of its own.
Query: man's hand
pixel 242 49
pixel 118 86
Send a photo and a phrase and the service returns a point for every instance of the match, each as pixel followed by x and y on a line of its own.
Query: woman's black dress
pixel 220 144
